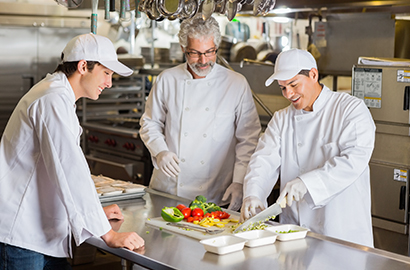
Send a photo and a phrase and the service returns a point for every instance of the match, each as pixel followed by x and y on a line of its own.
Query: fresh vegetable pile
pixel 199 212
pixel 201 202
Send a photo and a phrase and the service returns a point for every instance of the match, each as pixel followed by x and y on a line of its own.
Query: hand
pixel 249 206
pixel 168 163
pixel 294 190
pixel 235 191
pixel 113 212
pixel 130 240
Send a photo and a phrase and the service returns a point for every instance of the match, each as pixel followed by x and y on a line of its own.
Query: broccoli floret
pixel 211 207
pixel 196 204
pixel 200 202
pixel 200 198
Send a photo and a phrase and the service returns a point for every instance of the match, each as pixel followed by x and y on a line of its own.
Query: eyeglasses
pixel 196 54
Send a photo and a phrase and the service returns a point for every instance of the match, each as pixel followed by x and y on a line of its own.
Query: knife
pixel 202 229
pixel 270 212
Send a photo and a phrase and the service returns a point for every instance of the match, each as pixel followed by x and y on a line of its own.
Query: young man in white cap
pixel 320 147
pixel 47 195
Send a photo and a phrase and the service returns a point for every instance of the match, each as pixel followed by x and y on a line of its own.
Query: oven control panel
pixel 114 143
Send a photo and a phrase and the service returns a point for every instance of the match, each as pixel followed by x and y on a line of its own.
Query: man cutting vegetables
pixel 200 122
pixel 320 147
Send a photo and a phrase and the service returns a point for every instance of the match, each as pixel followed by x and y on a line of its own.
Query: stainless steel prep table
pixel 166 250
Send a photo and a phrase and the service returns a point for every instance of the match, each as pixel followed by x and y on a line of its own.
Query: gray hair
pixel 197 28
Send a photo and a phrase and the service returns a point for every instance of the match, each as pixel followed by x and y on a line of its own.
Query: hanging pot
pixel 170 7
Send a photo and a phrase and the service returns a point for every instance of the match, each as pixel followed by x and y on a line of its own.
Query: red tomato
pixel 190 219
pixel 225 215
pixel 215 214
pixel 186 212
pixel 181 207
pixel 197 212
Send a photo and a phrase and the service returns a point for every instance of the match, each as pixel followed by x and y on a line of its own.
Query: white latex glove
pixel 249 206
pixel 168 163
pixel 235 191
pixel 293 191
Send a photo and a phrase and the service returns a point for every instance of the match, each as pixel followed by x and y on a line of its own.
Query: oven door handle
pixel 402 202
pixel 106 161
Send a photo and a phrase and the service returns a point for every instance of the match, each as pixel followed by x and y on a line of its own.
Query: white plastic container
pixel 296 232
pixel 223 244
pixel 258 238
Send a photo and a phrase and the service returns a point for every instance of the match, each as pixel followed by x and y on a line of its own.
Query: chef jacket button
pixel 303 225
pixel 186 134
pixel 188 83
pixel 299 144
pixel 202 162
pixel 209 84
pixel 205 135
pixel 183 160
pixel 187 109
pixel 200 187
pixel 206 109
pixel 181 185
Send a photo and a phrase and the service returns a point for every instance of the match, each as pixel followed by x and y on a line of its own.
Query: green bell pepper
pixel 171 214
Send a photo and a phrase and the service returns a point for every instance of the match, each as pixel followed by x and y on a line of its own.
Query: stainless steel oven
pixel 110 124
pixel 386 91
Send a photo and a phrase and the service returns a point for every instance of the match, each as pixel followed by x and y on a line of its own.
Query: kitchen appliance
pixel 111 141
pixel 385 90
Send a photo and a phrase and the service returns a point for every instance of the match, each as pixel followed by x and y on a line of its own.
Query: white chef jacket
pixel 329 149
pixel 211 124
pixel 46 190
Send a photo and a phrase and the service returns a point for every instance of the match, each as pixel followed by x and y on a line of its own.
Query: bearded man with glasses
pixel 200 122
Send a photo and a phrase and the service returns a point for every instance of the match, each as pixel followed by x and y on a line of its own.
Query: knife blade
pixel 273 210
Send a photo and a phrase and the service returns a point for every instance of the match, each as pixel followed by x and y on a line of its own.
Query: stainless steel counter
pixel 166 250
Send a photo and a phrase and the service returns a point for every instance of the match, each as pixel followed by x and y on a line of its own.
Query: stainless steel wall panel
pixel 402 42
pixel 51 43
pixel 349 36
pixel 27 54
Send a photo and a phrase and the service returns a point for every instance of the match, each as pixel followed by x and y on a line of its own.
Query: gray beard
pixel 199 72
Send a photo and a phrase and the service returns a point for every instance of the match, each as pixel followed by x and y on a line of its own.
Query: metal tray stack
pixel 114 190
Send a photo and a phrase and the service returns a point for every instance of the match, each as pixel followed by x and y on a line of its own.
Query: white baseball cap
pixel 289 63
pixel 92 47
